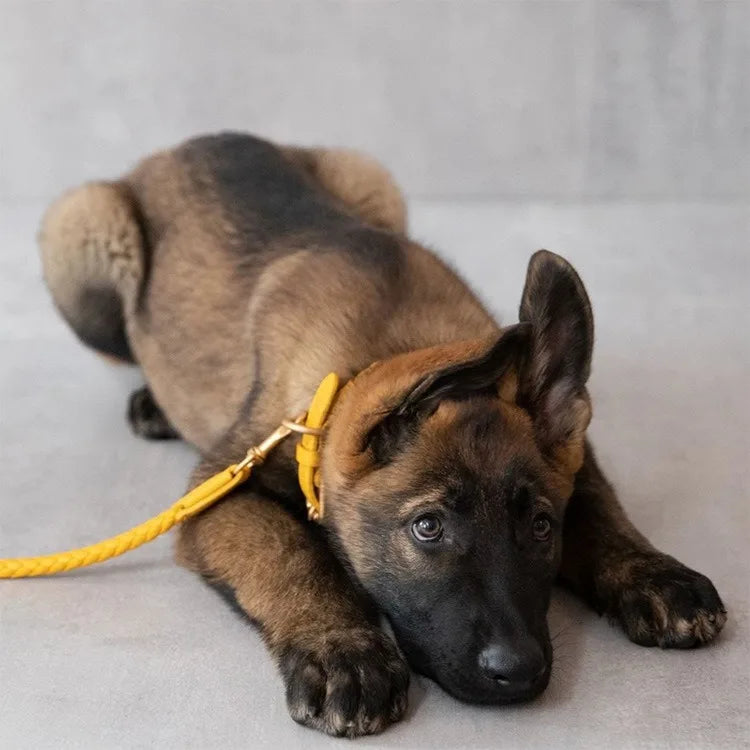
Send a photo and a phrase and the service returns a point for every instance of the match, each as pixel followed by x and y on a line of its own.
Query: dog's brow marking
pixel 546 503
pixel 426 500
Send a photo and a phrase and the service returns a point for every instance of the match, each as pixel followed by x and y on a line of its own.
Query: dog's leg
pixel 146 417
pixel 343 675
pixel 361 183
pixel 656 599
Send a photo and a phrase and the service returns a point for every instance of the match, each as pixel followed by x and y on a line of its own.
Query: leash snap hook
pixel 258 453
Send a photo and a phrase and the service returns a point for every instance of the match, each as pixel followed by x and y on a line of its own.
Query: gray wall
pixel 516 99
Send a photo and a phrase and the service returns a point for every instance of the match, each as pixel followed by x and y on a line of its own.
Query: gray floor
pixel 139 654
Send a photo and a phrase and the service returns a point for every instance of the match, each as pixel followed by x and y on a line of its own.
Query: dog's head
pixel 447 471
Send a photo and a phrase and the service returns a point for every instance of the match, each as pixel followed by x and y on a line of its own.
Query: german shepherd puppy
pixel 459 484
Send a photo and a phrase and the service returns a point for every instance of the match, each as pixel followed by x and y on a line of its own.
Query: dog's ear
pixel 553 386
pixel 480 373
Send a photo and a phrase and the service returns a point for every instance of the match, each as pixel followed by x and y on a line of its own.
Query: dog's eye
pixel 427 529
pixel 542 527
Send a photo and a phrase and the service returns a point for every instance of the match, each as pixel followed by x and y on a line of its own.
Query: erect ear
pixel 553 387
pixel 388 402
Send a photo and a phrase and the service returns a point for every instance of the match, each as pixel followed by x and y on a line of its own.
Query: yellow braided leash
pixel 309 424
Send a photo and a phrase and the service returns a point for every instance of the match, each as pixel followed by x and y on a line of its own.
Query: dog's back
pixel 229 267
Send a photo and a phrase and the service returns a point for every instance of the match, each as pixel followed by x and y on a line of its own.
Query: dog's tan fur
pixel 235 307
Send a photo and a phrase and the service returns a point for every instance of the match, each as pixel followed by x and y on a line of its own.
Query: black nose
pixel 516 665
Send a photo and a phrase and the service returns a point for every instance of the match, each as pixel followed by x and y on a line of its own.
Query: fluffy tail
pixel 93 258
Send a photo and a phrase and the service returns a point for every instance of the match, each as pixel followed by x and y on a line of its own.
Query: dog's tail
pixel 93 258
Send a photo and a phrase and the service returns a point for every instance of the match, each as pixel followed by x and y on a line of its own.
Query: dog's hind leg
pixel 656 599
pixel 343 675
pixel 93 259
pixel 146 417
pixel 358 181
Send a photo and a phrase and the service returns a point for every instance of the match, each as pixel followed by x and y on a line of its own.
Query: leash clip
pixel 258 453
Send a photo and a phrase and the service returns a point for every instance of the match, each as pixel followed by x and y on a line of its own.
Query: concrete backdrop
pixel 616 133
pixel 508 99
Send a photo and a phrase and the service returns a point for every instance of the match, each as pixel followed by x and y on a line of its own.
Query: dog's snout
pixel 514 665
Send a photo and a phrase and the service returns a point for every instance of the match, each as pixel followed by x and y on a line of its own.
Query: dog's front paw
pixel 345 683
pixel 660 602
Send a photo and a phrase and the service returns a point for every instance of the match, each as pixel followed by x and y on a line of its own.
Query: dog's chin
pixel 486 692
pixel 476 688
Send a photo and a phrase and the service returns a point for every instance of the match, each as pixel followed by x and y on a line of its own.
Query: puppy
pixel 458 480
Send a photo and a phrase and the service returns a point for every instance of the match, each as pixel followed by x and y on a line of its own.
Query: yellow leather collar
pixel 307 452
